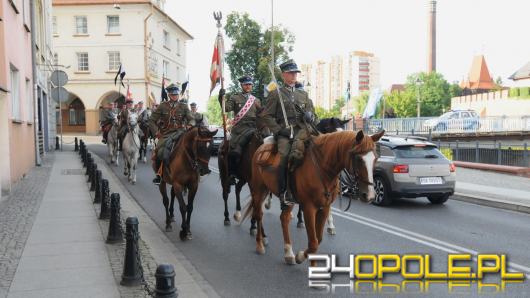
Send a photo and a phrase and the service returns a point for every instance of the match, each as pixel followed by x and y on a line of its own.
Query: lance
pixel 218 16
pixel 281 100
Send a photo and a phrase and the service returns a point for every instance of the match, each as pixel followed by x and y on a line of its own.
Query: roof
pixel 396 141
pixel 522 73
pixel 397 88
pixel 112 2
pixel 479 76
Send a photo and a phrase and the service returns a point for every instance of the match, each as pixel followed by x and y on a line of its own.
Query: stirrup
pixel 286 200
pixel 157 180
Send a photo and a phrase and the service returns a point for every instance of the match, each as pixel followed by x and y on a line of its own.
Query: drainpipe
pixel 146 71
pixel 34 77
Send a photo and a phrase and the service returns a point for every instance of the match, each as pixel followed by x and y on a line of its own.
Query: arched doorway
pixel 73 115
pixel 111 96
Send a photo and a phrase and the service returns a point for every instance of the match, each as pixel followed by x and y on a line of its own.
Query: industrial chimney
pixel 431 62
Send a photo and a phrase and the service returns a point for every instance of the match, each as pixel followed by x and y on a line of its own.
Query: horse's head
pixel 132 119
pixel 201 148
pixel 363 158
pixel 115 120
pixel 329 125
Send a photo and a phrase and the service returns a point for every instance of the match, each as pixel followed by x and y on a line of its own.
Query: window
pixel 113 24
pixel 26 14
pixel 81 26
pixel 418 152
pixel 178 46
pixel 15 93
pixel 29 98
pixel 114 60
pixel 54 25
pixel 72 117
pixel 165 69
pixel 82 62
pixel 166 39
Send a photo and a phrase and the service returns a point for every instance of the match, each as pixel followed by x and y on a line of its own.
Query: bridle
pixel 354 169
pixel 194 159
pixel 131 130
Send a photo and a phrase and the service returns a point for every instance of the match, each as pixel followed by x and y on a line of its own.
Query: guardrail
pixel 437 126
pixel 507 154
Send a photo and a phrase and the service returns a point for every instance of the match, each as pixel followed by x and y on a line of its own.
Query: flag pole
pixel 218 16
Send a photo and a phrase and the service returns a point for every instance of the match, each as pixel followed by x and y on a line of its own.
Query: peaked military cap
pixel 299 86
pixel 289 66
pixel 246 79
pixel 129 100
pixel 193 104
pixel 173 89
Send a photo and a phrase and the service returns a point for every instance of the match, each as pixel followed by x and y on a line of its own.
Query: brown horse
pixel 188 161
pixel 314 183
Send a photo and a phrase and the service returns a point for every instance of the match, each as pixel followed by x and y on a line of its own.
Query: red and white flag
pixel 129 94
pixel 216 70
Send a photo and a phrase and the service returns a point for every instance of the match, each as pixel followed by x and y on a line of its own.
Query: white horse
pixel 112 140
pixel 131 147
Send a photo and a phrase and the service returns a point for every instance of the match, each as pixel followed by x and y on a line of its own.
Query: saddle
pixel 267 155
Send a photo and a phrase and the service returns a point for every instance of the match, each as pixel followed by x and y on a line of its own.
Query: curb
pixel 519 171
pixel 490 202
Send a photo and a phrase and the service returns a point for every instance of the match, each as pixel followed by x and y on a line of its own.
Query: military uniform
pixel 107 117
pixel 199 117
pixel 300 119
pixel 124 116
pixel 171 119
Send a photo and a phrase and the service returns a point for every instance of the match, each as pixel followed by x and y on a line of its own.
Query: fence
pixel 489 153
pixel 437 126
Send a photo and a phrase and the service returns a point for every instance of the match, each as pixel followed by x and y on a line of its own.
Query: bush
pixel 514 92
pixel 524 92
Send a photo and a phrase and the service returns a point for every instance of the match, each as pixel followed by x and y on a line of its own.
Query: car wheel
pixel 382 192
pixel 438 199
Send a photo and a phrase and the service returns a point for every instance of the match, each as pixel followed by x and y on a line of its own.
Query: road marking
pixel 413 236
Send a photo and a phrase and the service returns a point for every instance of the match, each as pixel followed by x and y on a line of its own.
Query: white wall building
pixel 94 37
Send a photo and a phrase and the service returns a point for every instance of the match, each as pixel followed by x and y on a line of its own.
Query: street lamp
pixel 419 82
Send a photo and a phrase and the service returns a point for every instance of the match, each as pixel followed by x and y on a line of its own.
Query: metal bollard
pixel 104 212
pixel 97 194
pixel 132 274
pixel 87 162
pixel 57 146
pixel 165 282
pixel 93 177
pixel 76 145
pixel 115 234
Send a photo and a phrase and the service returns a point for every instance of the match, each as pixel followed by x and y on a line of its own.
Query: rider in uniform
pixel 170 120
pixel 245 107
pixel 199 117
pixel 124 117
pixel 300 115
pixel 107 118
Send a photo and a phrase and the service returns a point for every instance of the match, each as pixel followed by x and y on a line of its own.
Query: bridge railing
pixel 436 126
pixel 508 154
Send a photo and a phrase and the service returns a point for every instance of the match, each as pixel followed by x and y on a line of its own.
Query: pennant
pixel 216 69
pixel 121 74
pixel 163 96
pixel 129 94
pixel 184 86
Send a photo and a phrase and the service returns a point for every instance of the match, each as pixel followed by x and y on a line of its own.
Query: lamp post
pixel 419 82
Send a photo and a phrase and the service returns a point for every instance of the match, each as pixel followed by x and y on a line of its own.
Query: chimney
pixel 431 59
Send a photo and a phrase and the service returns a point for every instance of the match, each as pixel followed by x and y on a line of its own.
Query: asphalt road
pixel 225 255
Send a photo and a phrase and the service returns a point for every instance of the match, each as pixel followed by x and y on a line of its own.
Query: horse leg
pixel 257 200
pixel 321 218
pixel 191 197
pixel 182 208
pixel 226 193
pixel 268 202
pixel 300 215
pixel 132 170
pixel 171 205
pixel 285 219
pixel 310 221
pixel 239 186
pixel 331 225
pixel 165 200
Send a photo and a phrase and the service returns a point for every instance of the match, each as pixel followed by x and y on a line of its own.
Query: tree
pixel 250 53
pixel 213 111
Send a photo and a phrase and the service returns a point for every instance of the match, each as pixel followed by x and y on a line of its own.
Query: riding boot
pixel 157 179
pixel 285 195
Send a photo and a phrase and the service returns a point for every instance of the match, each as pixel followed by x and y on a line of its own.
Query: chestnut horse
pixel 188 161
pixel 314 184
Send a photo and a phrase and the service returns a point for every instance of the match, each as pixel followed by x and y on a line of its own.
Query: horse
pixel 146 135
pixel 313 184
pixel 188 162
pixel 131 147
pixel 112 141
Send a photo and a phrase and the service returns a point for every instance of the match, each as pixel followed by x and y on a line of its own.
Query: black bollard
pixel 76 145
pixel 115 233
pixel 97 194
pixel 93 177
pixel 165 282
pixel 132 274
pixel 104 213
pixel 57 146
pixel 87 163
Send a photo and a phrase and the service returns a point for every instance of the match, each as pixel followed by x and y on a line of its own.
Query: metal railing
pixel 437 126
pixel 508 154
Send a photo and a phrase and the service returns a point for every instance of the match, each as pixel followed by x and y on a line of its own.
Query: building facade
pixel 92 39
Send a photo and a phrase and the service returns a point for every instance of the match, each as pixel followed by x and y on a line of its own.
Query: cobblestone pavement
pixel 17 214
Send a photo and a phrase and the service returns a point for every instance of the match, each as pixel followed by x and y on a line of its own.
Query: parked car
pixel 217 140
pixel 411 167
pixel 455 120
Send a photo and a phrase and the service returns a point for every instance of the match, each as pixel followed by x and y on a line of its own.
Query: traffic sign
pixel 60 94
pixel 59 78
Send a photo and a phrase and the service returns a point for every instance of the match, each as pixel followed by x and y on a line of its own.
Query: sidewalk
pixel 63 254
pixel 493 189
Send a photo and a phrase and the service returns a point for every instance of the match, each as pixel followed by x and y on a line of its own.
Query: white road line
pixel 413 236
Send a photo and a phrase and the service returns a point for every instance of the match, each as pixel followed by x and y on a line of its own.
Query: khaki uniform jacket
pixel 273 115
pixel 171 116
pixel 237 101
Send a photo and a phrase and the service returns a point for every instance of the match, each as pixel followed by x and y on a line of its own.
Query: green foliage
pixel 250 53
pixel 524 92
pixel 213 111
pixel 514 92
pixel 334 112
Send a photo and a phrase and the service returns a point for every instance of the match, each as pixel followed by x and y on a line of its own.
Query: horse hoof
pixel 268 205
pixel 133 182
pixel 300 257
pixel 183 235
pixel 300 225
pixel 253 232
pixel 332 231
pixel 292 215
pixel 260 250
pixel 237 216
pixel 172 219
pixel 125 174
pixel 227 222
pixel 169 229
pixel 290 260
pixel 189 236
pixel 265 241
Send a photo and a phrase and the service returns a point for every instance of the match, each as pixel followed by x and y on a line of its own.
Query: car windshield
pixel 446 115
pixel 219 133
pixel 418 151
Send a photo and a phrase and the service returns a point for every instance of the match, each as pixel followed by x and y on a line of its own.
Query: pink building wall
pixel 16 52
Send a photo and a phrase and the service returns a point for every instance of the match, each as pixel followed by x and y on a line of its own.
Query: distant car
pixel 217 140
pixel 411 167
pixel 455 120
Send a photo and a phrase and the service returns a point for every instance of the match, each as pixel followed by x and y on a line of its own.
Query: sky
pixel 394 30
